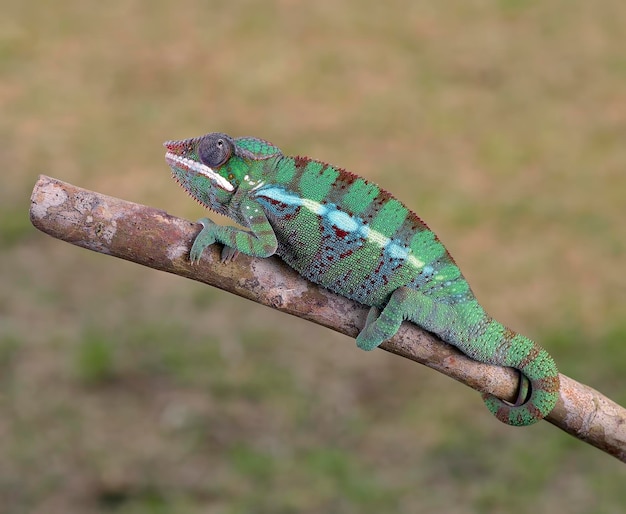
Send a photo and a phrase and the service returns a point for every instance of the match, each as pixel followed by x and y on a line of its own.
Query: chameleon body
pixel 349 235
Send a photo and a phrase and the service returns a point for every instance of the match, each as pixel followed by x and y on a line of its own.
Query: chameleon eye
pixel 214 151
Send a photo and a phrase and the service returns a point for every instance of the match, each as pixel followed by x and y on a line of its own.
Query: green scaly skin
pixel 352 237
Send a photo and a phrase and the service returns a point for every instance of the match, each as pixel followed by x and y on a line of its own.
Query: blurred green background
pixel 122 389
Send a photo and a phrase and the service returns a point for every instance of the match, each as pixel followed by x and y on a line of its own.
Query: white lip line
pixel 198 167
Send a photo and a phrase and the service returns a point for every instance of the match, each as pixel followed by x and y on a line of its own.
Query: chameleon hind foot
pixel 404 304
pixel 380 327
pixel 370 337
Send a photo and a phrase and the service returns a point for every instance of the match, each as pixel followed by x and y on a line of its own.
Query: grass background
pixel 502 123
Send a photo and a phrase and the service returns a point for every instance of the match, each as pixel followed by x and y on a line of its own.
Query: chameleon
pixel 352 237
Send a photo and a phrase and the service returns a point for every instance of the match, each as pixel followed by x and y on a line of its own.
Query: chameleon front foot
pixel 203 240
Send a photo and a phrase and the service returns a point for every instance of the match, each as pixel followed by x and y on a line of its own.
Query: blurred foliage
pixel 125 390
pixel 94 359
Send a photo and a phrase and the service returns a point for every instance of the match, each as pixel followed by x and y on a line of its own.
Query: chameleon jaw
pixel 187 164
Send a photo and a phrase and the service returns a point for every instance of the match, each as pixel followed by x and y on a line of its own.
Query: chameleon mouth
pixel 187 164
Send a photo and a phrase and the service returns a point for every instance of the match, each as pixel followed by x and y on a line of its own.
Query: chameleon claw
pixel 195 254
pixel 229 254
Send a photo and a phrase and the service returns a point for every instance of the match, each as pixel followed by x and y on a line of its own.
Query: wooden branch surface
pixel 153 238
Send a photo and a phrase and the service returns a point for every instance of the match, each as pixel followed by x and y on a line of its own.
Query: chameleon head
pixel 213 166
pixel 195 163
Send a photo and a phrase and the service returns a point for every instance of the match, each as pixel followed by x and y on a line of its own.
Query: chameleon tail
pixel 519 352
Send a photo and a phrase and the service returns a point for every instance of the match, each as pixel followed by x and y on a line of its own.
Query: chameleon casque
pixel 347 234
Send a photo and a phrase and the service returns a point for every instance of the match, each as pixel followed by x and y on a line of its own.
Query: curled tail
pixel 519 352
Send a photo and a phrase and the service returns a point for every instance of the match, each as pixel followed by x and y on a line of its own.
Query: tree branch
pixel 153 238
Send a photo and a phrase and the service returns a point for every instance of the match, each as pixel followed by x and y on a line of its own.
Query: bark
pixel 153 238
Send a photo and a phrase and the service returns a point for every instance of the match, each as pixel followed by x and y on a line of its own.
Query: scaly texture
pixel 347 234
